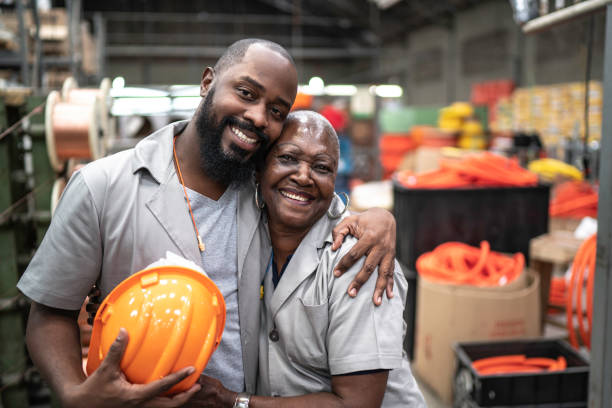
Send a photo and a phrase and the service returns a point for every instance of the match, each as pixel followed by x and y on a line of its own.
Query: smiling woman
pixel 300 172
pixel 317 345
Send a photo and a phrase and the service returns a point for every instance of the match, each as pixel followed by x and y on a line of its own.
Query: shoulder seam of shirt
pixel 91 196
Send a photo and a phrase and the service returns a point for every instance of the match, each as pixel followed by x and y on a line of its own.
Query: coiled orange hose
pixel 574 199
pixel 558 294
pixel 458 263
pixel 518 363
pixel 483 169
pixel 584 262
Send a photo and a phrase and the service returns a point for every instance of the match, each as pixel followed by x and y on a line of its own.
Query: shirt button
pixel 274 335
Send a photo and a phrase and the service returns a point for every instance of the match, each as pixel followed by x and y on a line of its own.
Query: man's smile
pixel 244 138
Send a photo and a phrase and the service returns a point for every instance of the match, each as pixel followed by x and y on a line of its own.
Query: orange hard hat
pixel 174 317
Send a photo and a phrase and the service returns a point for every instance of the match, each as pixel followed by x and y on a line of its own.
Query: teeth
pixel 243 137
pixel 294 196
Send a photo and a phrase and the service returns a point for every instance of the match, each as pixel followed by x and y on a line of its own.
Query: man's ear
pixel 207 78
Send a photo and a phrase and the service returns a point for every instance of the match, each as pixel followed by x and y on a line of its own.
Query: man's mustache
pixel 249 127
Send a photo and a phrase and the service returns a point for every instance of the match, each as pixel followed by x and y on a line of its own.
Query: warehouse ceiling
pixel 310 29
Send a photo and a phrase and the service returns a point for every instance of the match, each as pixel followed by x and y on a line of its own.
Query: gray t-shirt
pixel 216 221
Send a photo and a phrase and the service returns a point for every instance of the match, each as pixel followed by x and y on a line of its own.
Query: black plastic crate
pixel 409 311
pixel 567 388
pixel 507 217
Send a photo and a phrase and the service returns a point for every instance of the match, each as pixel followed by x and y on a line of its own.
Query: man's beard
pixel 225 168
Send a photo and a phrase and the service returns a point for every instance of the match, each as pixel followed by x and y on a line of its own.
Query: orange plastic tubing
pixel 482 169
pixel 518 363
pixel 458 263
pixel 584 262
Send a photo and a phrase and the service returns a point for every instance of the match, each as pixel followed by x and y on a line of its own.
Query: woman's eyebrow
pixel 316 156
pixel 279 145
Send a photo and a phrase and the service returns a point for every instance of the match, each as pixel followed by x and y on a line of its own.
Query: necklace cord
pixel 178 168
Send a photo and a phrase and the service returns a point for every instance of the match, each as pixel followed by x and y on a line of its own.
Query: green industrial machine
pixel 13 360
pixel 42 174
pixel 26 181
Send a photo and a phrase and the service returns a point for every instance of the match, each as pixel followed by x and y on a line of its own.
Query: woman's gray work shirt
pixel 311 329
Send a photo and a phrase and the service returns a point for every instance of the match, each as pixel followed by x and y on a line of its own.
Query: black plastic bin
pixel 507 217
pixel 567 388
pixel 409 310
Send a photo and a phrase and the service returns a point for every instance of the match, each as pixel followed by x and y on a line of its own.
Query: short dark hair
pixel 235 52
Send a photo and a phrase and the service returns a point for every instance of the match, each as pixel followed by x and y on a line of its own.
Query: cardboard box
pixel 447 314
pixel 89 52
pixel 563 224
pixel 555 250
pixel 427 159
pixel 372 194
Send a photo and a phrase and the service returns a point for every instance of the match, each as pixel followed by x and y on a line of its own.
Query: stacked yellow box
pixel 503 116
pixel 556 112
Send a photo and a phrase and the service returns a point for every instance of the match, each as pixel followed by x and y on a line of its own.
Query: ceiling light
pixel 385 4
pixel 118 82
pixel 389 91
pixel 316 86
pixel 340 90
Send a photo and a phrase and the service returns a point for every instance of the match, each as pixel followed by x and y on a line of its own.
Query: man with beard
pixel 179 190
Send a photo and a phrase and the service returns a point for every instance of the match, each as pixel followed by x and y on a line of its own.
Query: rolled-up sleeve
pixel 362 336
pixel 69 259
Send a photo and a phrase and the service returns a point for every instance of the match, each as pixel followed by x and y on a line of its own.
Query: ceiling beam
pixel 222 18
pixel 157 51
pixel 185 39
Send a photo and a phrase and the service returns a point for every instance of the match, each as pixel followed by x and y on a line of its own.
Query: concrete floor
pixel 555 330
pixel 430 398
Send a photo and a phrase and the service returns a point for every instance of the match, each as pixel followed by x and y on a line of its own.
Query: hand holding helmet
pixel 175 316
pixel 111 388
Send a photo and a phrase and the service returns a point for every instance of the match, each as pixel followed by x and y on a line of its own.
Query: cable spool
pixel 71 93
pixel 71 131
pixel 56 192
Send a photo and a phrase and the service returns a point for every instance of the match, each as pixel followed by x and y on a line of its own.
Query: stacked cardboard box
pixel 55 41
pixel 556 112
pixel 446 314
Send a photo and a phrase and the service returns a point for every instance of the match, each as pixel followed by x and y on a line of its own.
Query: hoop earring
pixel 263 204
pixel 348 200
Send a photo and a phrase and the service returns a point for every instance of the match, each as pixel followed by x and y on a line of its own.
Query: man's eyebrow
pixel 262 88
pixel 252 82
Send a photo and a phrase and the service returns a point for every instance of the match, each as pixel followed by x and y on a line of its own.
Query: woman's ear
pixel 258 176
pixel 207 78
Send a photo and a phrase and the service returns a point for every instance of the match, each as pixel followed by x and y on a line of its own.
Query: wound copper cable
pixel 100 97
pixel 71 131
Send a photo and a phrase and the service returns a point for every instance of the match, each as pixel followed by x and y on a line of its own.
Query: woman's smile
pixel 296 197
pixel 297 182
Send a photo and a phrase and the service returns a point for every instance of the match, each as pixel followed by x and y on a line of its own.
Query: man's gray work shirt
pixel 123 212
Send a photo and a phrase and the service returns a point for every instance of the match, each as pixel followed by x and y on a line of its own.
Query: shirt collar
pixel 154 153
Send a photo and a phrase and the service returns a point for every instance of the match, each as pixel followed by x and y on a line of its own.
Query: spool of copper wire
pixel 56 192
pixel 71 93
pixel 71 130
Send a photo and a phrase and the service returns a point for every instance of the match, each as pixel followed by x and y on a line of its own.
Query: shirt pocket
pixel 309 345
